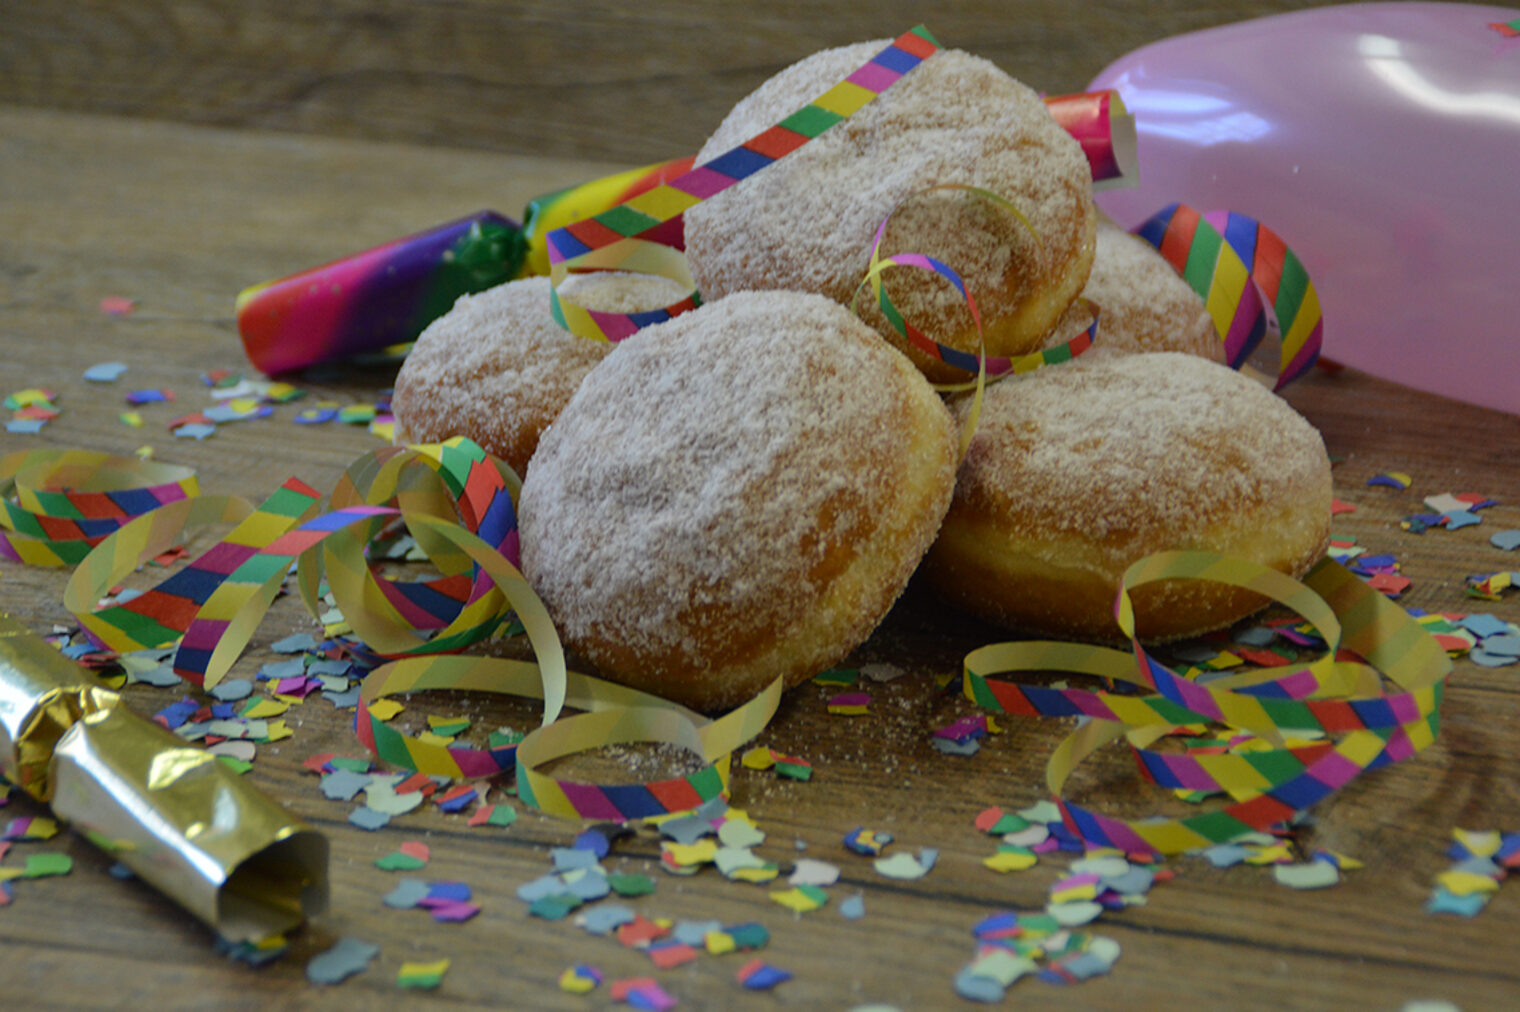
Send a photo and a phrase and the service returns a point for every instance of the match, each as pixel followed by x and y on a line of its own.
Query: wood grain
pixel 180 217
pixel 634 82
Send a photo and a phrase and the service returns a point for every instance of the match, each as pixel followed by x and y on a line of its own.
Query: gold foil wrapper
pixel 174 814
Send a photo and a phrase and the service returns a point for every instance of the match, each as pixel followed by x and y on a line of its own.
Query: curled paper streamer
pixel 58 504
pixel 376 298
pixel 616 715
pixel 1267 787
pixel 555 210
pixel 1249 280
pixel 174 814
pixel 622 237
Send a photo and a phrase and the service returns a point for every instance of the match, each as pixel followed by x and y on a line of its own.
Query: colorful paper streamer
pixel 1268 788
pixel 1249 279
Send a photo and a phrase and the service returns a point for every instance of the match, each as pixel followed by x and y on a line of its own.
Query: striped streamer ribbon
pixel 58 504
pixel 991 366
pixel 615 715
pixel 611 239
pixel 1267 787
pixel 1249 279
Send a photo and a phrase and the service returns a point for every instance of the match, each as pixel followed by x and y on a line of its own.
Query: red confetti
pixel 117 305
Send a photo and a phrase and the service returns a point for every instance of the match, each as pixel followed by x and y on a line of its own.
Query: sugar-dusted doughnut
pixel 735 495
pixel 498 369
pixel 1143 303
pixel 806 222
pixel 1078 470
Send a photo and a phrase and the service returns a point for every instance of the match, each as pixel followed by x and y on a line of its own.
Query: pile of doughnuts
pixel 741 493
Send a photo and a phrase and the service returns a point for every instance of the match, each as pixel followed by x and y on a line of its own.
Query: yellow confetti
pixel 575 983
pixel 764 874
pixel 1275 854
pixel 1478 843
pixel 1465 883
pixel 132 418
pixel 385 709
pixel 799 899
pixel 430 738
pixel 1011 859
pixel 278 731
pixel 702 852
pixel 759 758
pixel 265 708
pixel 719 942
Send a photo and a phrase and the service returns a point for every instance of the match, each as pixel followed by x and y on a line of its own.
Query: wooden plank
pixel 634 82
pixel 181 217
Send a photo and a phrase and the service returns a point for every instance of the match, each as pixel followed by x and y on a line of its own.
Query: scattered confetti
pixel 118 305
pixel 105 372
pixel 801 899
pixel 905 866
pixel 758 975
pixel 867 842
pixel 1312 875
pixel 422 976
pixel 348 957
pixel 580 979
pixel 1391 479
pixel 1506 541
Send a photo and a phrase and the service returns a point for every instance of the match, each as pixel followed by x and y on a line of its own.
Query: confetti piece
pixel 1391 479
pixel 853 908
pixel 641 932
pixel 631 885
pixel 1074 914
pixel 47 865
pixel 368 818
pixel 1443 901
pixel 759 758
pixel 1337 507
pixel 408 893
pixel 30 828
pixel 740 833
pixel 867 842
pixel 117 305
pixel 849 704
pixel 454 913
pixel 837 676
pixel 385 709
pixel 1506 541
pixel 671 954
pixel 904 866
pixel 422 976
pixel 801 899
pixel 1457 519
pixel 974 987
pixel 105 372
pixel 553 908
pixel 348 957
pixel 758 975
pixel 1010 858
pixel 24 426
pixel 604 920
pixel 580 979
pixel 808 871
pixel 1312 875
pixel 642 993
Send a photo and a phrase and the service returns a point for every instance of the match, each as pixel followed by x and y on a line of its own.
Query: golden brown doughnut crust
pixel 736 495
pixel 1078 470
pixel 498 369
pixel 805 223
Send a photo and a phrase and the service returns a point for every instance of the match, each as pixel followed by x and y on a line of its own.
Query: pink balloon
pixel 1382 142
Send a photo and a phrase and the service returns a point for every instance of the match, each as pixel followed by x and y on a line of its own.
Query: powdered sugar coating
pixel 805 222
pixel 1145 305
pixel 695 514
pixel 1079 470
pixel 498 369
pixel 1117 447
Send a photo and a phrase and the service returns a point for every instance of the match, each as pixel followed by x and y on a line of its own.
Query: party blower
pixel 174 814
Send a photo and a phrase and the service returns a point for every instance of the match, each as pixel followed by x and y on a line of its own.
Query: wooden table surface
pixel 179 218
